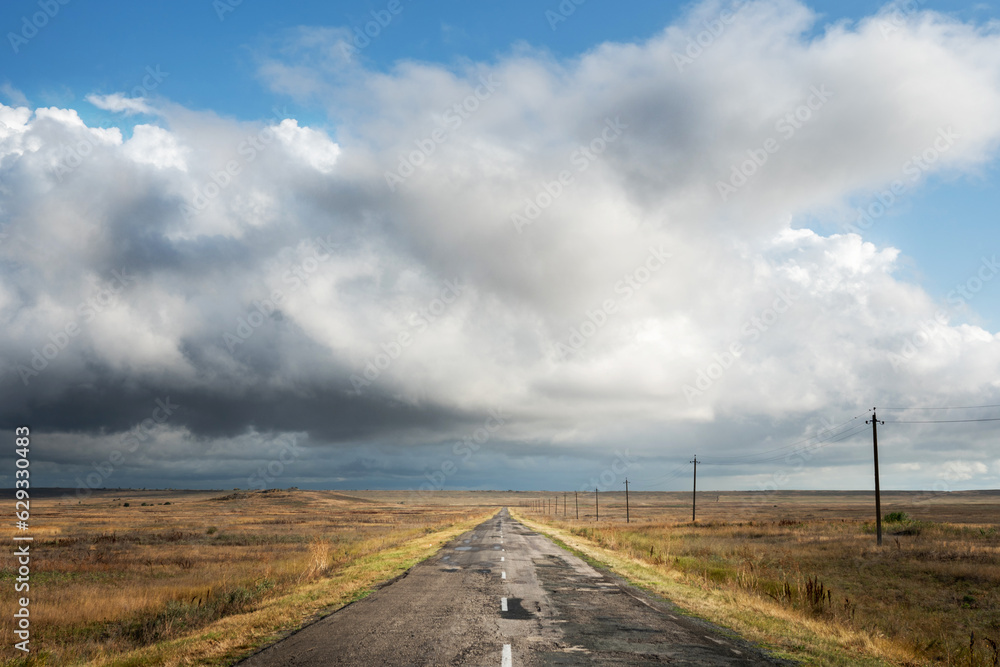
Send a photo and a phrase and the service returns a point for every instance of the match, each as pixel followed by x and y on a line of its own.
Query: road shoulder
pixel 657 591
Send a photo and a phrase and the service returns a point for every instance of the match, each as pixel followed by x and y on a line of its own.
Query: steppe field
pixel 127 577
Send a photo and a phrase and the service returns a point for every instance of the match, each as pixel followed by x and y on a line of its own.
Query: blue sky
pixel 212 64
pixel 207 249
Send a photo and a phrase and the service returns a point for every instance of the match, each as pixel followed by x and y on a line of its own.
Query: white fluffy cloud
pixel 119 103
pixel 546 236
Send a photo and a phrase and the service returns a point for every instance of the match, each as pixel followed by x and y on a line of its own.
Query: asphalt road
pixel 502 594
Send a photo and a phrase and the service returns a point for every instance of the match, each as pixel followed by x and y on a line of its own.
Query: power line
pixel 820 435
pixel 954 407
pixel 828 440
pixel 943 421
pixel 828 434
pixel 673 474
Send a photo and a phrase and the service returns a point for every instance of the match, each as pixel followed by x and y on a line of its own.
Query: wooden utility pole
pixel 694 489
pixel 597 503
pixel 576 499
pixel 564 503
pixel 878 496
pixel 626 500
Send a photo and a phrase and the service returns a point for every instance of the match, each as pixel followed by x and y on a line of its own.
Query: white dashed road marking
pixel 503 575
pixel 503 604
pixel 505 659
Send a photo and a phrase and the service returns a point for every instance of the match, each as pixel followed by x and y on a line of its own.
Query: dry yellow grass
pixel 210 576
pixel 817 589
pixel 203 578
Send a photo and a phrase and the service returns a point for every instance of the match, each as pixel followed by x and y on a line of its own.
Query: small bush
pixel 895 517
pixel 212 530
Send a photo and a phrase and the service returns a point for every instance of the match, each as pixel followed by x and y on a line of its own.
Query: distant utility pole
pixel 576 499
pixel 564 503
pixel 626 500
pixel 597 503
pixel 694 489
pixel 878 499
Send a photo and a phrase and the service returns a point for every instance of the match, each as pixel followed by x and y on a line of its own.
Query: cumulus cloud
pixel 12 94
pixel 960 471
pixel 120 103
pixel 608 248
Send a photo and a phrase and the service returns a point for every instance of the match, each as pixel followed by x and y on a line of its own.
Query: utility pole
pixel 626 500
pixel 597 503
pixel 564 503
pixel 576 499
pixel 694 489
pixel 878 496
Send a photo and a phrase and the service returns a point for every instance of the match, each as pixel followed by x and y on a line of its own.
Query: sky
pixel 500 245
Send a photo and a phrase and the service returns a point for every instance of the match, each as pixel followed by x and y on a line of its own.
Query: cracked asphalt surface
pixel 502 594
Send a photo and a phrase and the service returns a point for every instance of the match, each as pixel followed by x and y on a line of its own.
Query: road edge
pixel 590 553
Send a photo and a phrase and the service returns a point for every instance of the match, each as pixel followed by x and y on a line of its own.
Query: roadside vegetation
pixel 815 589
pixel 159 578
pixel 143 578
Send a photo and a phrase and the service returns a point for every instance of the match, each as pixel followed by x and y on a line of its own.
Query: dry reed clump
pixel 318 559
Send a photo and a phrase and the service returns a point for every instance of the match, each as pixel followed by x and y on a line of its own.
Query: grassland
pixel 801 571
pixel 184 578
pixel 169 578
